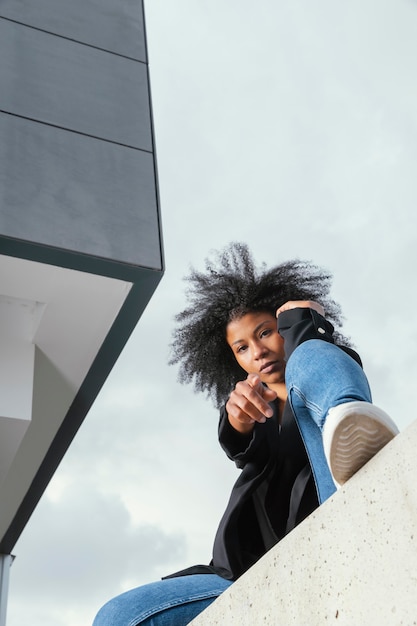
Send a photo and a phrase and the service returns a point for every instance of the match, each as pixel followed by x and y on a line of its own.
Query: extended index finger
pixel 252 390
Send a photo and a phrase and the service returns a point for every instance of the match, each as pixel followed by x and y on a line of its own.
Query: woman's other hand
pixel 300 304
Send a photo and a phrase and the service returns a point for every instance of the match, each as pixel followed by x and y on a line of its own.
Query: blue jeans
pixel 170 602
pixel 319 376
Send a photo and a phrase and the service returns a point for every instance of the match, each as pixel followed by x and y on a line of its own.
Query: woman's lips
pixel 268 367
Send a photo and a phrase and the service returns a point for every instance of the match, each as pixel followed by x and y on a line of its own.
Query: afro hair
pixel 230 287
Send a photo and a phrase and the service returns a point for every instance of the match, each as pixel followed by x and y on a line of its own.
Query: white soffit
pixel 65 313
pixel 53 322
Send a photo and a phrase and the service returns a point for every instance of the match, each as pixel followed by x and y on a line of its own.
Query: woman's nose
pixel 259 350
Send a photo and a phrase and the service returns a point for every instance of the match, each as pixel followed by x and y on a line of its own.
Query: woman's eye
pixel 241 349
pixel 265 332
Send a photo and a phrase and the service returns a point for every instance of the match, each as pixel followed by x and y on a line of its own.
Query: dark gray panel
pixel 115 25
pixel 78 193
pixel 60 82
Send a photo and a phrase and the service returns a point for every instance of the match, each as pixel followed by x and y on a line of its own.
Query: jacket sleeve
pixel 230 439
pixel 299 325
pixel 242 448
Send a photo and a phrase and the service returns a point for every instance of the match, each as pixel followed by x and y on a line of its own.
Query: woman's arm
pixel 243 448
pixel 299 321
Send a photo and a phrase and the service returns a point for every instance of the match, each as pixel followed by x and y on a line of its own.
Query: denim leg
pixel 170 602
pixel 319 376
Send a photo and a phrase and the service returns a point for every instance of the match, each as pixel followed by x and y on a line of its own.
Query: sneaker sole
pixel 356 439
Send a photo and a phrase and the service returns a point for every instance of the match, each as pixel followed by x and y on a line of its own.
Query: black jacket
pixel 275 490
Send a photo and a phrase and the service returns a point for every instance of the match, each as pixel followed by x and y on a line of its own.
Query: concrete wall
pixel 352 562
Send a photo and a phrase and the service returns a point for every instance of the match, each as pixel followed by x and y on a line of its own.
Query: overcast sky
pixel 287 124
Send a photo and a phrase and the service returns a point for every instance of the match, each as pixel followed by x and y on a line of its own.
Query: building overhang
pixel 64 319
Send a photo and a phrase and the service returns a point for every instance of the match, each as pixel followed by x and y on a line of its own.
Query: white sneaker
pixel 353 433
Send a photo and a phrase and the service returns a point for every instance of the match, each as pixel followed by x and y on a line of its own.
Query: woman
pixel 296 417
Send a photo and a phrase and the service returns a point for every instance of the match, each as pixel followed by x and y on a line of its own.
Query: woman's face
pixel 257 346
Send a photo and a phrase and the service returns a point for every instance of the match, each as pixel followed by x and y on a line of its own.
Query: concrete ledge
pixel 353 561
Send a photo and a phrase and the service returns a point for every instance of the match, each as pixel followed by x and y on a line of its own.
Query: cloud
pixel 81 549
